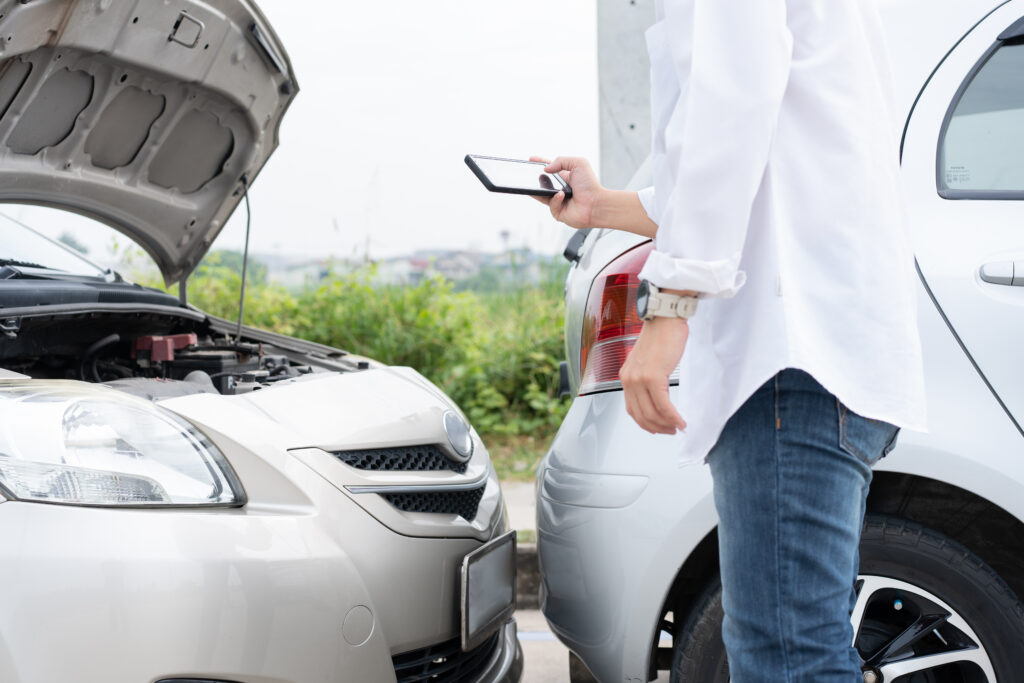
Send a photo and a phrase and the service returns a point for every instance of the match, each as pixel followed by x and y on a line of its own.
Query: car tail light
pixel 610 323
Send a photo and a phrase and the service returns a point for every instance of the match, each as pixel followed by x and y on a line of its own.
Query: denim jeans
pixel 791 474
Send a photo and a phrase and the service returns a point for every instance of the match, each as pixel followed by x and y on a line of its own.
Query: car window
pixel 20 245
pixel 981 149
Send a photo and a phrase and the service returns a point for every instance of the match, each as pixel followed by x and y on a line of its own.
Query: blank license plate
pixel 488 589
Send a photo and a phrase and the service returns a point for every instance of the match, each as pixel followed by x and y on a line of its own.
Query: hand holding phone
pixel 515 176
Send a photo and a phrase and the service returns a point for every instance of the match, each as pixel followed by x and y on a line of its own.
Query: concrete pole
pixel 623 88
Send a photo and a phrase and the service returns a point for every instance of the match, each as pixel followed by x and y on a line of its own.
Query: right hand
pixel 578 211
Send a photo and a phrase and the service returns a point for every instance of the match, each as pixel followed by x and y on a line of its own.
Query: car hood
pixel 152 117
pixel 374 408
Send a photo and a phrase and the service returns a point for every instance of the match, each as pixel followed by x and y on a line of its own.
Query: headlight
pixel 87 445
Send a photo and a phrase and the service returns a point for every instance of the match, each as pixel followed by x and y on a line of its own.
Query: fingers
pixel 651 408
pixel 664 408
pixel 542 200
pixel 645 375
pixel 555 204
pixel 540 159
pixel 565 164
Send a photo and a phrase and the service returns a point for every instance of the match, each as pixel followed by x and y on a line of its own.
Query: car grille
pixel 445 662
pixel 405 458
pixel 463 503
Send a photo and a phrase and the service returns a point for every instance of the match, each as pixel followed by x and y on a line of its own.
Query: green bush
pixel 495 353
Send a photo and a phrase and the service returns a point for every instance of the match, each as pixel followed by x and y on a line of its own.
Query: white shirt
pixel 777 196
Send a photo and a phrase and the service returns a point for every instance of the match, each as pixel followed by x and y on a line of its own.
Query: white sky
pixel 392 96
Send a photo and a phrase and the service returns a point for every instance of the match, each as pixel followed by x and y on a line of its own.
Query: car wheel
pixel 699 653
pixel 928 611
pixel 931 611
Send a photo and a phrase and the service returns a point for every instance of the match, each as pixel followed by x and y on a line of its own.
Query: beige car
pixel 182 500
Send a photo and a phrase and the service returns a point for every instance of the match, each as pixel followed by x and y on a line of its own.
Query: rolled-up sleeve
pixel 732 78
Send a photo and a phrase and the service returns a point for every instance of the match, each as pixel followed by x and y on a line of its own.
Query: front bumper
pixel 616 519
pixel 300 585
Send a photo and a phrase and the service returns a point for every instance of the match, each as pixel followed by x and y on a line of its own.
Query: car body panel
pixel 259 593
pixel 382 408
pixel 150 117
pixel 606 570
pixel 918 43
pixel 955 237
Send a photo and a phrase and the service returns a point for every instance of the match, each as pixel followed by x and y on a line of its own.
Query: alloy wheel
pixel 904 632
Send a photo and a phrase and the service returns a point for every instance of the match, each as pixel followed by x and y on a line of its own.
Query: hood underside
pixel 149 116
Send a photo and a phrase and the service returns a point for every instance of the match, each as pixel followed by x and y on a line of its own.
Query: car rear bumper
pixel 616 518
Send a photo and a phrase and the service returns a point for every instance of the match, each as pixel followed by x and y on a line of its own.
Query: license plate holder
pixel 488 589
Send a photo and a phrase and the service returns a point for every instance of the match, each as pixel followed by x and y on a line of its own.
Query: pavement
pixel 545 659
pixel 521 503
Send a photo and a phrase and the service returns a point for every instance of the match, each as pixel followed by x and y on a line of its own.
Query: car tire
pixel 907 571
pixel 578 671
pixel 699 653
pixel 927 564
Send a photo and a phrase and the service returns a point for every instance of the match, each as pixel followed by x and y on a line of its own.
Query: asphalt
pixel 521 504
pixel 545 659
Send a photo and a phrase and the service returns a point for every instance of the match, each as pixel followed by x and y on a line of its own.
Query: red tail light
pixel 610 323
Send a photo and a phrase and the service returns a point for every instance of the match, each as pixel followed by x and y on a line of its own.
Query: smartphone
pixel 516 176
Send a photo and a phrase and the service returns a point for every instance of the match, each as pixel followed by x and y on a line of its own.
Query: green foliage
pixel 508 381
pixel 73 242
pixel 232 259
pixel 425 327
pixel 495 353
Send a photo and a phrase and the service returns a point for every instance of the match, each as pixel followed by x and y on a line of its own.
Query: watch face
pixel 643 296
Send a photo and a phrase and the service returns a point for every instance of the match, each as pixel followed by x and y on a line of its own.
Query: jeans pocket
pixel 866 439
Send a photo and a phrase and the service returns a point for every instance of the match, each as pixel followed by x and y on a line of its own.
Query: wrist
pixel 603 211
pixel 664 322
pixel 621 210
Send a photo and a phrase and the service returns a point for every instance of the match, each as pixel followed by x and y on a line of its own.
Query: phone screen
pixel 516 176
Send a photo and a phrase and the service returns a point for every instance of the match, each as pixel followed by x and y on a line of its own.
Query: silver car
pixel 182 499
pixel 626 537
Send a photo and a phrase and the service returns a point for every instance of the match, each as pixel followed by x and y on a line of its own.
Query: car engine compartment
pixel 157 356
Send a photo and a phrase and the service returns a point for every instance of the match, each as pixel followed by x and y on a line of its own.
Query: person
pixel 777 206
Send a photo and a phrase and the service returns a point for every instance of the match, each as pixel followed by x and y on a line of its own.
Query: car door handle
pixel 1003 273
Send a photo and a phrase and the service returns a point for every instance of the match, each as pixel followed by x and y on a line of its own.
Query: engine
pixel 173 363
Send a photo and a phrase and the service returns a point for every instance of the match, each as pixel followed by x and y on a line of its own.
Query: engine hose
pixel 91 351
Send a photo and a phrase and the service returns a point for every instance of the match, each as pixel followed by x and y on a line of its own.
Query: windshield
pixel 20 245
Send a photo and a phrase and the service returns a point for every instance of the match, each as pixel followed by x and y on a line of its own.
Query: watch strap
pixel 665 305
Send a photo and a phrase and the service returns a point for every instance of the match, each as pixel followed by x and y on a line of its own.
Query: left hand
pixel 645 375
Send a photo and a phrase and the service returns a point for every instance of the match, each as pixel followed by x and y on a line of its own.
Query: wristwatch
pixel 651 302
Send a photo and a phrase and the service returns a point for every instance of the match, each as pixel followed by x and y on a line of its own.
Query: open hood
pixel 150 116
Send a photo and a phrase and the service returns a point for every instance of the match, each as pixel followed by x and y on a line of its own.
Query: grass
pixel 515 456
pixel 526 535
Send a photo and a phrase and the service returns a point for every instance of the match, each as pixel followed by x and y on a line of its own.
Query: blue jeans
pixel 791 474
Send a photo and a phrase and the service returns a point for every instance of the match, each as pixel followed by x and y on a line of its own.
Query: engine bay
pixel 157 356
